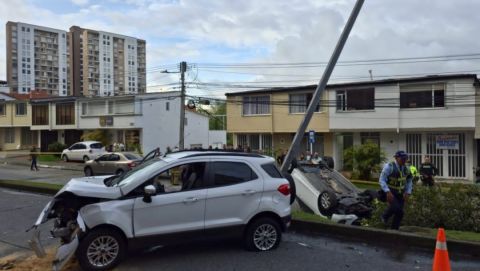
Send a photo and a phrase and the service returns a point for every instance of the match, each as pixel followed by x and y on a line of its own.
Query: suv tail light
pixel 284 189
pixel 132 165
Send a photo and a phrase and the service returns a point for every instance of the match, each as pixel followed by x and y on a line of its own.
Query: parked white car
pixel 182 196
pixel 83 151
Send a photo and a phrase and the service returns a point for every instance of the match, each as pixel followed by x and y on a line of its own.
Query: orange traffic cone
pixel 440 260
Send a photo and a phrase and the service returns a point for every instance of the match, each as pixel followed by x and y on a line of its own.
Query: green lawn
pixel 48 158
pixel 451 234
pixel 309 217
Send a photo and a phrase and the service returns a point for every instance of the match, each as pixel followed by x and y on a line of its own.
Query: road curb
pixel 383 237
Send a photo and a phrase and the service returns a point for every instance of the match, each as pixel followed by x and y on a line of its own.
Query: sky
pixel 215 37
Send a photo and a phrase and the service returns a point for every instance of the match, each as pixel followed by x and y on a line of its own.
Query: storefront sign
pixel 106 121
pixel 447 142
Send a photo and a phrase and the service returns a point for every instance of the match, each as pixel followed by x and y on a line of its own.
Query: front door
pixel 47 138
pixel 234 195
pixel 178 207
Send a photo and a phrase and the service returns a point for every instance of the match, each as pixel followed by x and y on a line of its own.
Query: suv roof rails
pixel 206 152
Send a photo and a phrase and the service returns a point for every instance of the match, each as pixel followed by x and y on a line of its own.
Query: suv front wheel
pixel 263 234
pixel 101 249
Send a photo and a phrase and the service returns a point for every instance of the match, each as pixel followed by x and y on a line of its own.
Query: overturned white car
pixel 328 193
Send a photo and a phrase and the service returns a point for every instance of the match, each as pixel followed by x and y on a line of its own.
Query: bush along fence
pixel 452 206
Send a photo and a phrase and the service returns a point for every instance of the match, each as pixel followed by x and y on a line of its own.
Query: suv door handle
pixel 249 192
pixel 189 200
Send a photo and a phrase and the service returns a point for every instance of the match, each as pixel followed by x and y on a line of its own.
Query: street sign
pixel 447 142
pixel 311 136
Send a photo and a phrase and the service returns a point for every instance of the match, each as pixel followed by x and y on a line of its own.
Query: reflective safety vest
pixel 413 171
pixel 398 179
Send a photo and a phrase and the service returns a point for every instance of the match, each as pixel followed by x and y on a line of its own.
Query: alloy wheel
pixel 265 237
pixel 102 251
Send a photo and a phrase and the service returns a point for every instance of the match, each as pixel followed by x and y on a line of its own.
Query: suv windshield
pixel 96 145
pixel 145 168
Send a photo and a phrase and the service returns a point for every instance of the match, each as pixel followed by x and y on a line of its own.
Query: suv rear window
pixel 228 173
pixel 272 170
pixel 96 145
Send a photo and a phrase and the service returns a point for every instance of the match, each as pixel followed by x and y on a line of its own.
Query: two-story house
pixel 267 119
pixel 431 116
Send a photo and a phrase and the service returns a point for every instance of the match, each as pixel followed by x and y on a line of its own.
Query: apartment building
pixel 37 59
pixel 432 116
pixel 81 62
pixel 106 64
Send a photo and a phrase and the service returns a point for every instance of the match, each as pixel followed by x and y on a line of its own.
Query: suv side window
pixel 272 170
pixel 180 178
pixel 229 173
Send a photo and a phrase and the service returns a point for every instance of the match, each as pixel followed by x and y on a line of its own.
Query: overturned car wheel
pixel 101 249
pixel 327 201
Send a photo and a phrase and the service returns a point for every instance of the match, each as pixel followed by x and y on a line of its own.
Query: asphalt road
pixel 16 172
pixel 297 252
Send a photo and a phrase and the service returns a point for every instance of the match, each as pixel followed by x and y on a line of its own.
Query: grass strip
pixel 47 188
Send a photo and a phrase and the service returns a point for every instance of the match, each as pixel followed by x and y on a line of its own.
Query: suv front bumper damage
pixel 66 250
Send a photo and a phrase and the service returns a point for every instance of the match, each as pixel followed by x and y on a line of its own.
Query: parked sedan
pixel 83 151
pixel 112 163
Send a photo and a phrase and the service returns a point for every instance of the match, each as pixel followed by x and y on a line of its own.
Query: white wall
pixel 217 138
pixel 196 130
pixel 160 126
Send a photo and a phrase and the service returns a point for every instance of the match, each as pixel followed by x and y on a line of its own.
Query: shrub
pixel 96 135
pixel 56 147
pixel 452 206
pixel 364 159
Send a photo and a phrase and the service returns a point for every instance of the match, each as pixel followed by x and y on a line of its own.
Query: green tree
pixel 364 159
pixel 218 117
pixel 96 135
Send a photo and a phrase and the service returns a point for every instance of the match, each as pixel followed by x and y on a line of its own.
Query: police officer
pixel 396 186
pixel 428 171
pixel 414 171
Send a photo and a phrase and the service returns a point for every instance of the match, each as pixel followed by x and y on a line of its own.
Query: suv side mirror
pixel 149 191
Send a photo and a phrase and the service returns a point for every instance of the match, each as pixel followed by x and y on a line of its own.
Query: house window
pixel 373 137
pixel 2 109
pixel 40 114
pixel 167 106
pixel 422 96
pixel 298 103
pixel 9 135
pixel 21 109
pixel 84 109
pixel 356 99
pixel 256 105
pixel 28 137
pixel 65 114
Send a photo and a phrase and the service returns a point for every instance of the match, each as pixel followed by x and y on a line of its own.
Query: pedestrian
pixel 396 186
pixel 414 171
pixel 169 150
pixel 302 157
pixel 427 172
pixel 316 159
pixel 281 157
pixel 33 156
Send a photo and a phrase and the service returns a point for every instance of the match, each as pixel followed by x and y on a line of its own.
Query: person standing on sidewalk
pixel 396 187
pixel 427 172
pixel 33 156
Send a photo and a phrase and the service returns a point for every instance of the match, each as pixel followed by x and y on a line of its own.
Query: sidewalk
pixel 24 161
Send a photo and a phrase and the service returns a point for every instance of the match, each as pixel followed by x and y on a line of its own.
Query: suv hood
pixel 91 187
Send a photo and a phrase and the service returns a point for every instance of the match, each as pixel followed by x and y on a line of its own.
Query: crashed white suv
pixel 183 196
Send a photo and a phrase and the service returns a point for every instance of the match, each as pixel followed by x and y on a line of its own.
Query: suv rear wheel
pixel 101 249
pixel 263 234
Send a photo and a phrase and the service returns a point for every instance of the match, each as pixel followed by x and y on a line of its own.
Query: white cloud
pixel 80 2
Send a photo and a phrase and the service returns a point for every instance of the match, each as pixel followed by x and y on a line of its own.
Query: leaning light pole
pixel 292 152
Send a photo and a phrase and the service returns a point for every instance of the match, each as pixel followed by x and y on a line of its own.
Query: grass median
pixel 47 188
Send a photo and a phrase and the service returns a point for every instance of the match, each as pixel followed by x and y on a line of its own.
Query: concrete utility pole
pixel 183 69
pixel 292 152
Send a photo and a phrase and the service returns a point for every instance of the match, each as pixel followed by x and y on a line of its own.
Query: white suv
pixel 182 196
pixel 83 151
